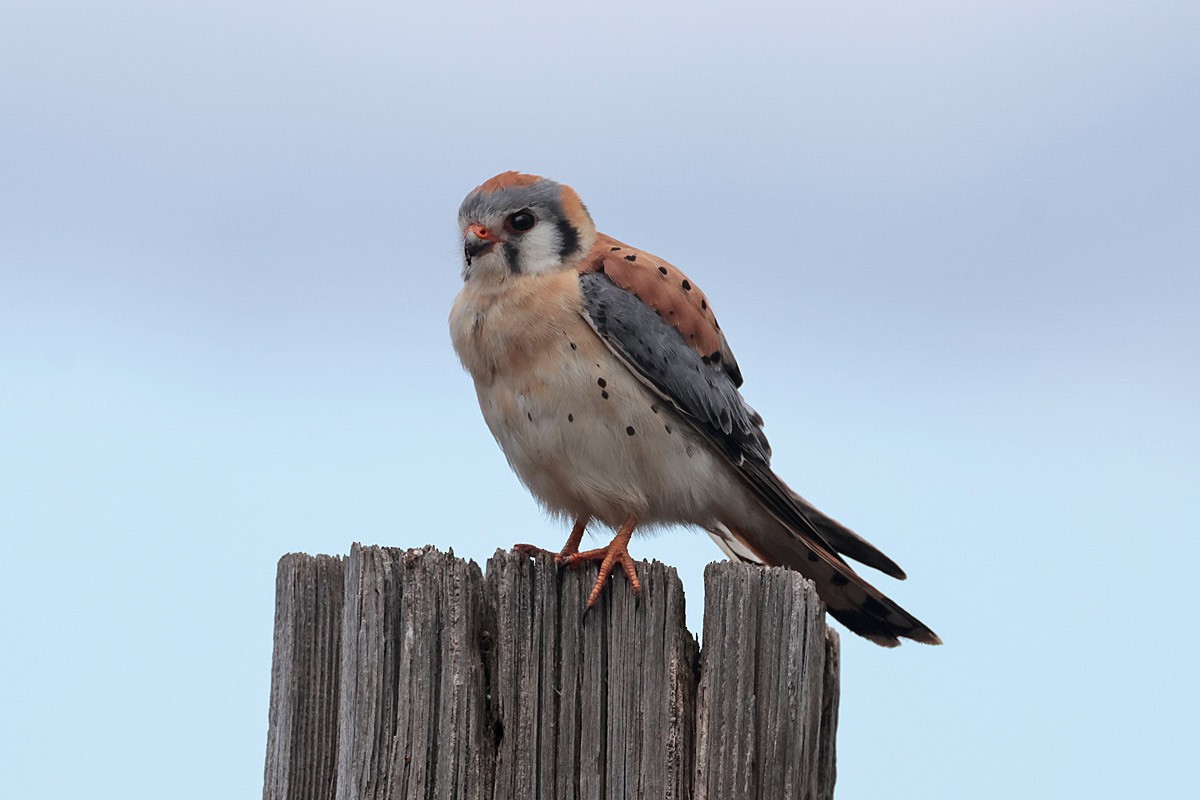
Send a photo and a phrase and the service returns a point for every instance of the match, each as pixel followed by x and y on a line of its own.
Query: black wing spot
pixel 574 346
pixel 704 304
pixel 604 395
pixel 530 415
pixel 668 427
pixel 687 287
pixel 631 257
pixel 601 382
pixel 663 270
pixel 653 408
pixel 839 579
pixel 629 431
pixel 570 417
pixel 613 249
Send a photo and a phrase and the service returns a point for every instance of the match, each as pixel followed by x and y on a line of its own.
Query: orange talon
pixel 572 545
pixel 569 549
pixel 533 550
pixel 617 552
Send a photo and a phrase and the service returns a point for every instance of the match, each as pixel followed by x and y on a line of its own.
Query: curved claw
pixel 617 552
pixel 569 549
pixel 533 550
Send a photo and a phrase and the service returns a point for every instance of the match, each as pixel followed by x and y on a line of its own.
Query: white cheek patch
pixel 539 249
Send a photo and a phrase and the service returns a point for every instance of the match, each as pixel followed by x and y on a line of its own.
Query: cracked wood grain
pixel 412 674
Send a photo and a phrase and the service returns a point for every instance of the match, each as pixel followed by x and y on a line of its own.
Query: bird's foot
pixel 533 550
pixel 617 552
pixel 569 549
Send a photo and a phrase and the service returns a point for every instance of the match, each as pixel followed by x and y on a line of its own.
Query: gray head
pixel 516 224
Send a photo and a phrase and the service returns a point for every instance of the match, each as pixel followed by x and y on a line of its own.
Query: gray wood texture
pixel 762 687
pixel 413 695
pixel 302 736
pixel 590 708
pixel 411 674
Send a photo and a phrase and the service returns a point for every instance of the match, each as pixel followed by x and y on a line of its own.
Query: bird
pixel 604 376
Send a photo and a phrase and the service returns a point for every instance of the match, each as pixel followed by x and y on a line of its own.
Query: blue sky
pixel 954 246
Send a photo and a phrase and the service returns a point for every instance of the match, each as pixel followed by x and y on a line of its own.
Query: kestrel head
pixel 517 224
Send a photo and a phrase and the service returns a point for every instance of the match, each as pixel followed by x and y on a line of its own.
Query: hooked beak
pixel 478 240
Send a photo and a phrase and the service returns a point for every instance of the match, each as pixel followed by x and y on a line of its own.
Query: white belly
pixel 588 438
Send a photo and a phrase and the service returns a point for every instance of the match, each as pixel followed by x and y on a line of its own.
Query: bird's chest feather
pixel 577 426
pixel 512 328
pixel 537 365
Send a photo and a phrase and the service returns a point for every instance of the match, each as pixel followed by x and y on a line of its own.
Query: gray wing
pixel 701 391
pixel 706 395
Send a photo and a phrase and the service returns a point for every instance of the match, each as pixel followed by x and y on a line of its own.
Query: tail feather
pixel 847 542
pixel 848 597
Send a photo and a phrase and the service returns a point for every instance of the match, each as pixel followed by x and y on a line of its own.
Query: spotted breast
pixel 580 431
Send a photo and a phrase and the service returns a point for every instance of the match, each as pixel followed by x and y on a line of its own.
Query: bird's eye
pixel 522 221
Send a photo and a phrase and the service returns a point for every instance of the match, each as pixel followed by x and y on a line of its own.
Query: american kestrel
pixel 606 380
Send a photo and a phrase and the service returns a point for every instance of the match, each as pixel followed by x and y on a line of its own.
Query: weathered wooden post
pixel 767 711
pixel 595 708
pixel 412 674
pixel 305 671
